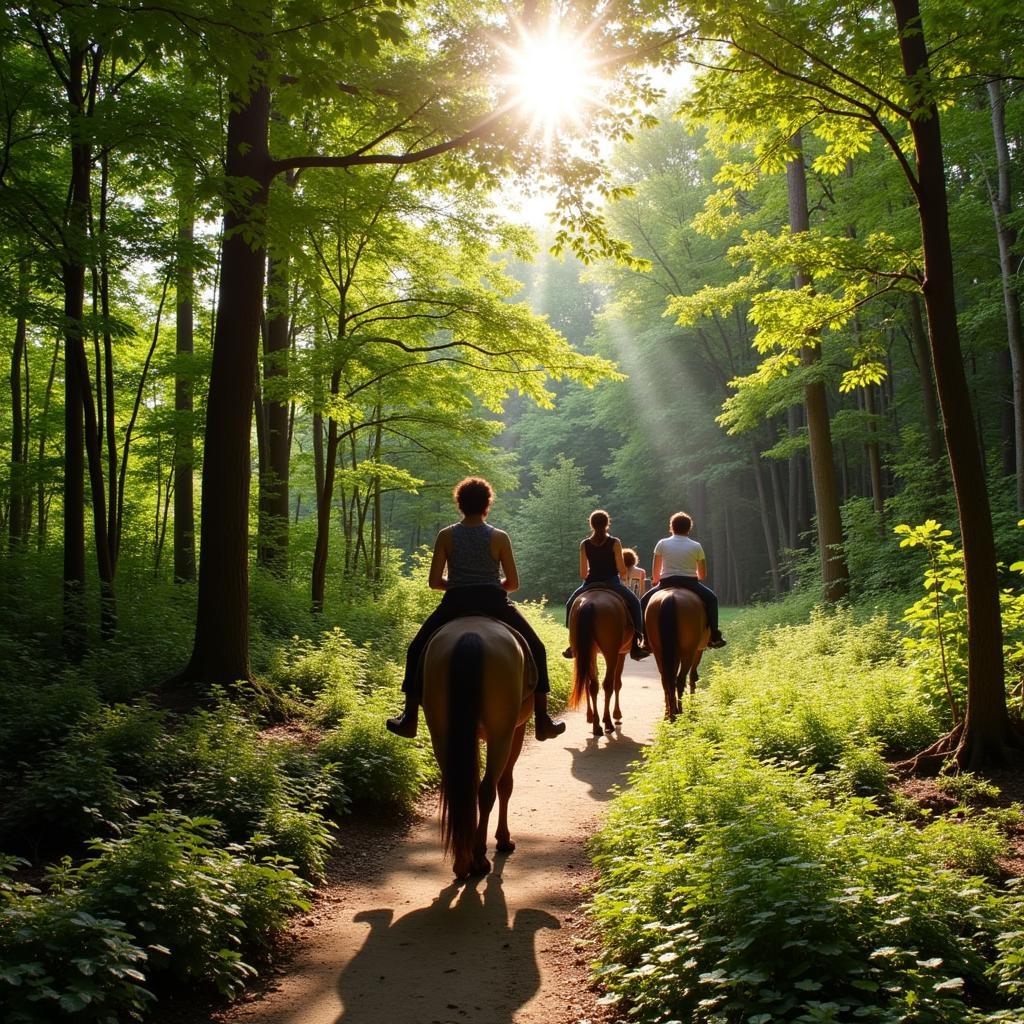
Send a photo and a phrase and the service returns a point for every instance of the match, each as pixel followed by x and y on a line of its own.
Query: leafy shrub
pixel 746 875
pixel 221 767
pixel 375 765
pixel 334 664
pixel 176 889
pixel 36 718
pixel 60 963
pixel 967 787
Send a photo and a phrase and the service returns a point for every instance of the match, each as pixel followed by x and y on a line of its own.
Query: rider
pixel 601 563
pixel 476 555
pixel 636 578
pixel 679 562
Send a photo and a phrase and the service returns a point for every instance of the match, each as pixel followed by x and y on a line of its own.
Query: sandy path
pixel 401 943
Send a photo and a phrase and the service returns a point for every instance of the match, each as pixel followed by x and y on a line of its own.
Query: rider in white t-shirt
pixel 679 561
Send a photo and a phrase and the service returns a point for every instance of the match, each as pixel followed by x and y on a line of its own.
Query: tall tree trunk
pixel 184 539
pixel 377 516
pixel 766 520
pixel 1009 267
pixel 929 402
pixel 42 504
pixel 986 734
pixel 73 280
pixel 873 451
pixel 220 652
pixel 834 575
pixel 323 510
pixel 272 545
pixel 18 524
pixel 793 483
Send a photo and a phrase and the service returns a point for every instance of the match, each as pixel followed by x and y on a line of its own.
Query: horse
pixel 676 626
pixel 598 624
pixel 475 686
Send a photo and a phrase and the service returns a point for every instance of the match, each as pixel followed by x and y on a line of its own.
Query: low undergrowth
pixel 759 869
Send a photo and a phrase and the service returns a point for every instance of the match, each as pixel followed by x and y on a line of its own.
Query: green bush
pixel 219 766
pixel 34 718
pixel 60 963
pixel 750 875
pixel 375 765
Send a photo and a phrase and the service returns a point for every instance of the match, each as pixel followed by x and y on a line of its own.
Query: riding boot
pixel 717 640
pixel 567 653
pixel 545 727
pixel 639 650
pixel 408 721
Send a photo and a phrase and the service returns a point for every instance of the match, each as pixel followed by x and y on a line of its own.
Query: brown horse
pixel 598 624
pixel 676 626
pixel 475 686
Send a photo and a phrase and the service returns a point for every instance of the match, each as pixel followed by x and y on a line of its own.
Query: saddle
pixel 530 673
pixel 614 591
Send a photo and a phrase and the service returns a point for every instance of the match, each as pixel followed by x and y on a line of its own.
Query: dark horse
pixel 676 626
pixel 475 686
pixel 598 624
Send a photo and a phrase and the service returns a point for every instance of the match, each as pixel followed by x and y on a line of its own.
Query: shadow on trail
pixel 603 763
pixel 458 960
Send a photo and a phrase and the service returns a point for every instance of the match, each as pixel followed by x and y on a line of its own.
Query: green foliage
pixel 745 876
pixel 263 791
pixel 178 888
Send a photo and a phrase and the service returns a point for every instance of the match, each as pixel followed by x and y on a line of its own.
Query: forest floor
pixel 392 939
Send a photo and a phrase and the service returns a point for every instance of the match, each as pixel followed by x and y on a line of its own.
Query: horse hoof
pixel 597 730
pixel 609 728
pixel 505 846
pixel 590 716
pixel 481 867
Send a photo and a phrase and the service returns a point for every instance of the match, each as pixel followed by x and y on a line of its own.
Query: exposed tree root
pixel 966 753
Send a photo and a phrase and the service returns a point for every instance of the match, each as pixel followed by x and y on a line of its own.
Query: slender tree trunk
pixel 986 734
pixel 221 649
pixel 106 406
pixel 766 520
pixel 1009 267
pixel 873 451
pixel 184 539
pixel 929 402
pixel 18 525
pixel 834 575
pixel 323 512
pixel 42 504
pixel 73 279
pixel 272 545
pixel 794 481
pixel 377 513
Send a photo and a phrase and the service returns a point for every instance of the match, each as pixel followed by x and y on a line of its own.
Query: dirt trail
pixel 401 944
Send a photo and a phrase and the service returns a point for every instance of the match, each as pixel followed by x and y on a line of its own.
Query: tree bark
pixel 184 539
pixel 766 521
pixel 220 651
pixel 987 734
pixel 42 504
pixel 929 402
pixel 835 581
pixel 1009 267
pixel 873 451
pixel 18 525
pixel 272 544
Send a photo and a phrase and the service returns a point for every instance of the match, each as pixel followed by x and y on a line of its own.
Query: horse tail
pixel 668 634
pixel 586 619
pixel 460 774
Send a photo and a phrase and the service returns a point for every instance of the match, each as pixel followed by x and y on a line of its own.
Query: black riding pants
pixel 706 594
pixel 476 600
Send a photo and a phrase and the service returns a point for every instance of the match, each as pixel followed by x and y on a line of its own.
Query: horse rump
pixel 668 636
pixel 460 773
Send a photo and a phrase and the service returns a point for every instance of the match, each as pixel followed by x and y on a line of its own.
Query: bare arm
pixel 584 568
pixel 437 579
pixel 656 570
pixel 620 562
pixel 702 569
pixel 510 584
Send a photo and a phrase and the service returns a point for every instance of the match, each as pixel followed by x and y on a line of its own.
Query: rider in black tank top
pixel 601 555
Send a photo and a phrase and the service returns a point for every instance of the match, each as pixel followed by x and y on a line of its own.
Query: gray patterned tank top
pixel 471 563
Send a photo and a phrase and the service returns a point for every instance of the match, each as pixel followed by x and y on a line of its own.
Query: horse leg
pixel 505 783
pixel 592 689
pixel 611 659
pixel 498 751
pixel 617 714
pixel 694 676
